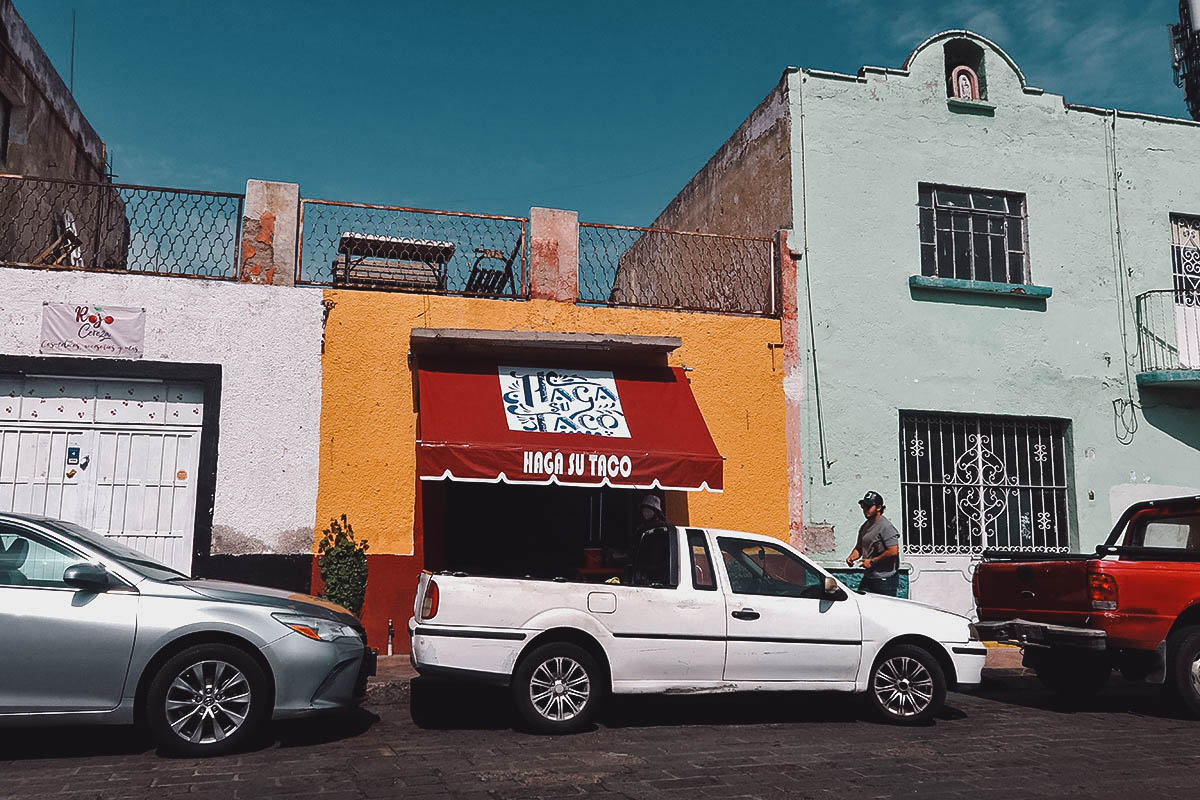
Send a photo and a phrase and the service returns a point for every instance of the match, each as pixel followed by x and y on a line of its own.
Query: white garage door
pixel 117 456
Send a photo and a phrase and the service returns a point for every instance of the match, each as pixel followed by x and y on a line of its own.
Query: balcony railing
pixel 683 270
pixel 359 245
pixel 1168 325
pixel 48 222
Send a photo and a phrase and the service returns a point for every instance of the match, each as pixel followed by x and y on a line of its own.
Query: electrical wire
pixel 1125 421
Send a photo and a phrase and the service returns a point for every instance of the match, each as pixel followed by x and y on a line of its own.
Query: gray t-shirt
pixel 874 537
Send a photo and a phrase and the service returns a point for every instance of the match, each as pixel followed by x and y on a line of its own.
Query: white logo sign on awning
pixel 72 329
pixel 539 399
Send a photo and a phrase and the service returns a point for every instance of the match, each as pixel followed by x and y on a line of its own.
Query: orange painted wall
pixel 368 422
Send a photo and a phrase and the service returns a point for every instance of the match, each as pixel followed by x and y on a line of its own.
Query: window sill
pixel 977 107
pixel 979 287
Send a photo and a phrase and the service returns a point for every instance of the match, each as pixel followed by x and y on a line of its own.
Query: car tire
pixel 1183 668
pixel 558 688
pixel 907 685
pixel 1075 676
pixel 207 700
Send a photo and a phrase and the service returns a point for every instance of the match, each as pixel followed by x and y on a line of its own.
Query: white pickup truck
pixel 758 617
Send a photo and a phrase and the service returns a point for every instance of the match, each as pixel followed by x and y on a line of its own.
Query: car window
pixel 703 576
pixel 654 563
pixel 127 556
pixel 1177 533
pixel 27 559
pixel 763 569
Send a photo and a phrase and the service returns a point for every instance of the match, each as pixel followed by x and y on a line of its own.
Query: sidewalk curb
pixel 395 690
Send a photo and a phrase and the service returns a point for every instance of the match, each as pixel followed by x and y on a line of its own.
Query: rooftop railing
pixel 680 270
pixel 50 222
pixel 359 245
pixel 1168 325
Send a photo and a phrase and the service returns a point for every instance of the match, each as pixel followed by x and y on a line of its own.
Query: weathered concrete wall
pixel 882 347
pixel 745 190
pixel 49 135
pixel 267 341
pixel 554 255
pixel 270 222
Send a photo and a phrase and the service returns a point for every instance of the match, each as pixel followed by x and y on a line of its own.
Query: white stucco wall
pixel 267 340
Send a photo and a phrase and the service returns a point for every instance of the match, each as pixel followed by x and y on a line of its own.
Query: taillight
pixel 429 603
pixel 1103 590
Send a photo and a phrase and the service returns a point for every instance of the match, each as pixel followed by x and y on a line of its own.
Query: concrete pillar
pixel 269 224
pixel 553 255
pixel 793 387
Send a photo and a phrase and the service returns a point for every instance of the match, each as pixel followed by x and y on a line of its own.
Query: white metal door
pixel 119 457
pixel 145 491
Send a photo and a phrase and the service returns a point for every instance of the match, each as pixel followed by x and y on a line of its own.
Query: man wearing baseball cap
pixel 878 547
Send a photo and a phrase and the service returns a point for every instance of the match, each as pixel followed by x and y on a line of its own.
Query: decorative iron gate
pixel 1185 259
pixel 972 483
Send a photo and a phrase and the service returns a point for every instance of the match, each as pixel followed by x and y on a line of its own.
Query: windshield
pixel 139 562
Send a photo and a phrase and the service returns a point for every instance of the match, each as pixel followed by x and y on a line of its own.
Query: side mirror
pixel 88 577
pixel 832 590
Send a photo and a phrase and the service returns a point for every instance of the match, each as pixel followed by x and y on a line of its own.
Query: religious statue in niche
pixel 964 83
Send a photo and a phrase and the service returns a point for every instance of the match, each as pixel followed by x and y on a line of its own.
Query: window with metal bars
pixel 973 235
pixel 974 483
pixel 1185 258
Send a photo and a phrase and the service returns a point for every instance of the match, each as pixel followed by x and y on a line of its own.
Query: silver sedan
pixel 94 632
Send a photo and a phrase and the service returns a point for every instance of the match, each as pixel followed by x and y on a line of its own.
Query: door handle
pixel 746 614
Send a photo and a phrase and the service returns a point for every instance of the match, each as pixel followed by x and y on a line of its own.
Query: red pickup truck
pixel 1133 606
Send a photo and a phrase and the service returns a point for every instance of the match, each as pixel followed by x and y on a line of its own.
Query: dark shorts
pixel 876 585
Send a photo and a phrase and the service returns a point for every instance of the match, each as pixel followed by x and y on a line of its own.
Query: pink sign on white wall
pixel 79 330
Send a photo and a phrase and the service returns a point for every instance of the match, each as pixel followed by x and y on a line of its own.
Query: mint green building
pixel 997 302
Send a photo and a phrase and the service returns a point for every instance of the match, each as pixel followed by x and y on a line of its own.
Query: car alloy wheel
pixel 903 686
pixel 559 688
pixel 207 702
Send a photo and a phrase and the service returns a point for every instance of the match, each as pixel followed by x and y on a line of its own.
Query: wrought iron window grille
pixel 973 483
pixel 1185 259
pixel 972 234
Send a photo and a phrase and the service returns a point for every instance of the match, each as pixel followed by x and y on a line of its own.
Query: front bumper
pixel 312 677
pixel 1041 634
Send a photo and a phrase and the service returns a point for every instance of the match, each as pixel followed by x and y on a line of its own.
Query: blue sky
pixel 608 108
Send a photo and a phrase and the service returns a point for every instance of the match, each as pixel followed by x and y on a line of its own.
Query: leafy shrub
pixel 343 564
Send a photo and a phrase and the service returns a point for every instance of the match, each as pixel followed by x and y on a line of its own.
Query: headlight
pixel 324 630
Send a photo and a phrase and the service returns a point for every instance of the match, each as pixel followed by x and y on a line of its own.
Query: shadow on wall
pixel 1175 413
pixel 1022 302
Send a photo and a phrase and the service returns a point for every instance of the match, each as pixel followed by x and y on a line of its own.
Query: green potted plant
pixel 343 564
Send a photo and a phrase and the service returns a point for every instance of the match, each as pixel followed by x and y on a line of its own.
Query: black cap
pixel 871 499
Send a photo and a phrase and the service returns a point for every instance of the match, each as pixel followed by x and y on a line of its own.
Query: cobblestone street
pixel 1010 739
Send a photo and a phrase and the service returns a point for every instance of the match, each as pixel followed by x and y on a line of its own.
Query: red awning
pixel 635 427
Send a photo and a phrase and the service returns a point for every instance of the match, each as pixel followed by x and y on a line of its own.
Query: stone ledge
pixel 1021 290
pixel 980 108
